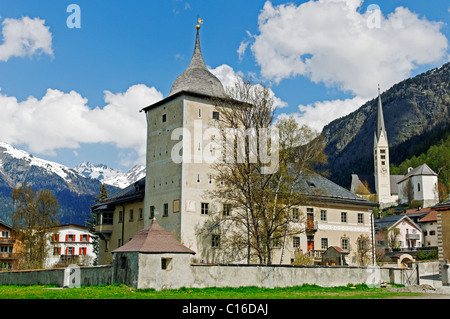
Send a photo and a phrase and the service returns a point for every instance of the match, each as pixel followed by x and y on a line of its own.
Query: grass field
pixel 118 291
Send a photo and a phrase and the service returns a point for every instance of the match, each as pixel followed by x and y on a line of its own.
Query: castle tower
pixel 176 182
pixel 381 158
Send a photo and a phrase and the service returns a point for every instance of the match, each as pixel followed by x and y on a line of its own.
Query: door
pixel 310 243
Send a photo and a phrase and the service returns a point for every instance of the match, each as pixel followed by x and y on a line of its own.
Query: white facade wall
pixel 70 240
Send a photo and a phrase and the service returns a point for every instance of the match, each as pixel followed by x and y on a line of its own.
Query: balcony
pixel 7 240
pixel 4 256
pixel 412 236
pixel 311 226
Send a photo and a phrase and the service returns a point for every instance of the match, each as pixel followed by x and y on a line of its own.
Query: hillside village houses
pixel 173 192
pixel 67 244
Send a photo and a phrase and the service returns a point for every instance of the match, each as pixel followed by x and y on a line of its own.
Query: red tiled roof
pixel 417 211
pixel 431 217
pixel 154 239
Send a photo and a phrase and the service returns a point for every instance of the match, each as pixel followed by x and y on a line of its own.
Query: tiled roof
pixel 321 188
pixel 423 169
pixel 154 239
pixel 430 217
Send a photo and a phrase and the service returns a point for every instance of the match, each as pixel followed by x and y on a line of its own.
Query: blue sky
pixel 72 95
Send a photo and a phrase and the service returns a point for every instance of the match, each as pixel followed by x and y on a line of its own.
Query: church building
pixel 390 190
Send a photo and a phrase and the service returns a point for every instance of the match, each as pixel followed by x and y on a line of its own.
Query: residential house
pixel 397 232
pixel 429 226
pixel 8 247
pixel 70 244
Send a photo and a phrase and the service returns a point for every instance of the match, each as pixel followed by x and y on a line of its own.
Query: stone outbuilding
pixel 152 257
pixel 334 256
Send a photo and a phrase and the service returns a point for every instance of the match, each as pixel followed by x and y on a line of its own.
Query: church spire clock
pixel 381 157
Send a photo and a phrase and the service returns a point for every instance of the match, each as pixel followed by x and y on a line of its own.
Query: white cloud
pixel 242 48
pixel 64 120
pixel 319 114
pixel 26 36
pixel 332 41
pixel 228 77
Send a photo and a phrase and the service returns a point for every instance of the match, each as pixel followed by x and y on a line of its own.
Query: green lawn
pixel 118 291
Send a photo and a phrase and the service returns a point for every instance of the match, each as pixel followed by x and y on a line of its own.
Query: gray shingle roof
pixel 423 169
pixel 197 78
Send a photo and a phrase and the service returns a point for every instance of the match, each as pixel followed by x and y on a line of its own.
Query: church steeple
pixel 381 158
pixel 380 118
pixel 197 78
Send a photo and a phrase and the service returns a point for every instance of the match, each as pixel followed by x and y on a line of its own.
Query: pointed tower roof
pixel 154 239
pixel 197 78
pixel 380 118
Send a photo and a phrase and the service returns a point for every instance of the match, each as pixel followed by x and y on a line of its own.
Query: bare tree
pixel 263 176
pixel 33 219
pixel 364 250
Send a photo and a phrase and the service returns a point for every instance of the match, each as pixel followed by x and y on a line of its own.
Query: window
pixel 432 232
pixel 70 251
pixel 296 242
pixel 5 234
pixel 295 214
pixel 70 237
pixel 166 210
pixel 343 217
pixel 360 218
pixel 383 151
pixel 215 115
pixel 418 187
pixel 344 243
pixel 226 209
pixel 215 241
pixel 141 213
pixel 165 263
pixel 152 212
pixel 276 242
pixel 123 262
pixel 205 207
pixel 323 215
pixel 383 156
pixel 324 243
pixel 56 251
pixel 383 163
pixel 120 216
pixel 164 118
pixel 107 218
pixel 131 215
pixel 82 251
pixel 84 237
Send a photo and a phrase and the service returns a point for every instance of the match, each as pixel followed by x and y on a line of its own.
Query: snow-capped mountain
pixel 111 176
pixel 74 191
pixel 25 163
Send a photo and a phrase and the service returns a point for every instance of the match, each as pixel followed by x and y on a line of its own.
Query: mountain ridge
pixel 413 109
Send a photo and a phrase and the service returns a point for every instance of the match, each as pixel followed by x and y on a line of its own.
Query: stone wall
pixel 184 274
pixel 88 276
